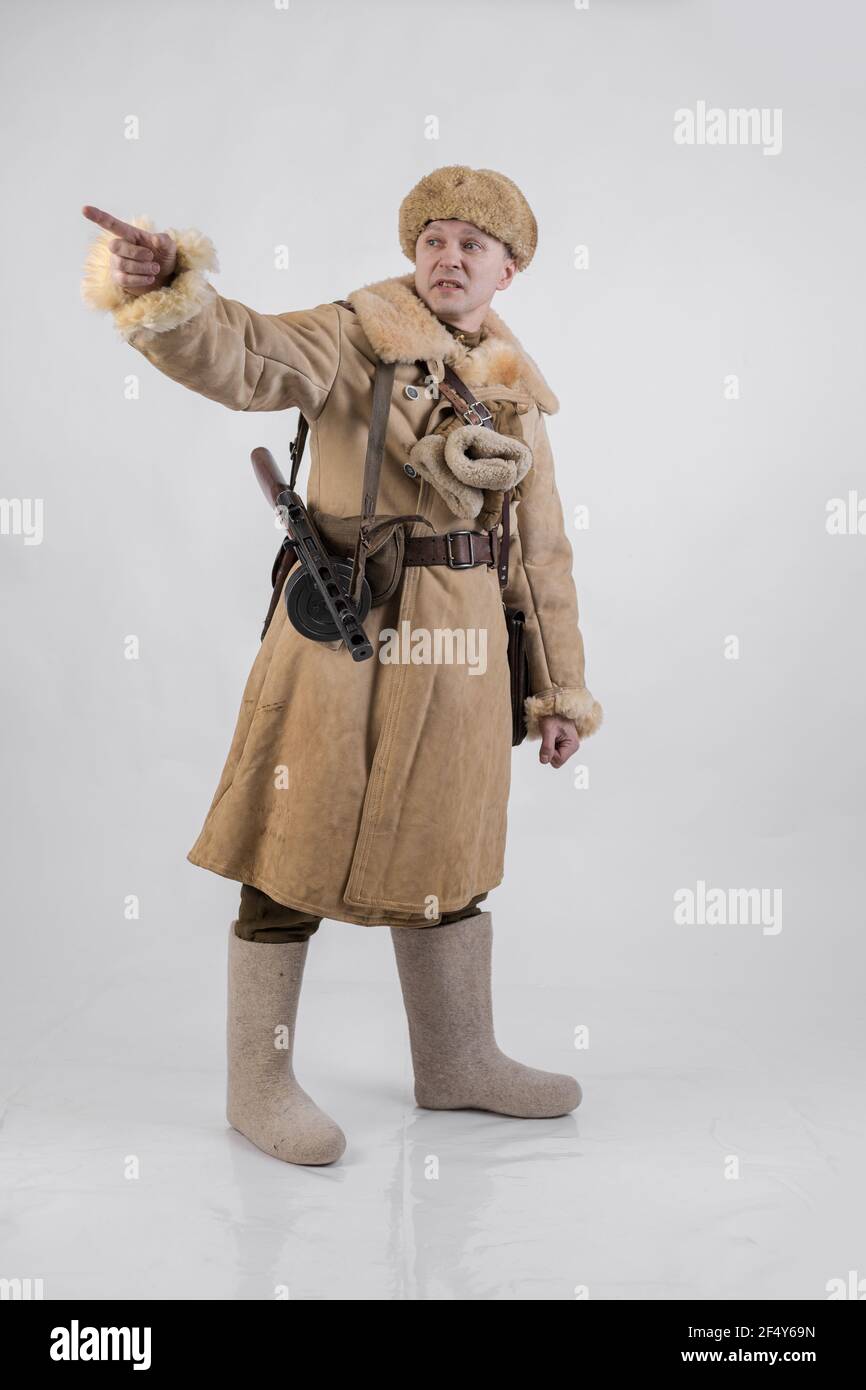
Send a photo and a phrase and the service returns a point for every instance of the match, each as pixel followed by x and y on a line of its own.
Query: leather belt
pixel 459 550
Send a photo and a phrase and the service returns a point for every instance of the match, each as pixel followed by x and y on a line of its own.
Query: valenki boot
pixel 445 978
pixel 264 1101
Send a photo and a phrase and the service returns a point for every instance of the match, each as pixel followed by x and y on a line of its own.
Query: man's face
pixel 458 269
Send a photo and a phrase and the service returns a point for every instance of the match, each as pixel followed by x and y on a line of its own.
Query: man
pixel 376 792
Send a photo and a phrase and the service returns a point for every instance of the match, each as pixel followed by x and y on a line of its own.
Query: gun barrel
pixel 320 573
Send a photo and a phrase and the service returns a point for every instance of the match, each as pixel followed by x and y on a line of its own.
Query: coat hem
pixel 256 880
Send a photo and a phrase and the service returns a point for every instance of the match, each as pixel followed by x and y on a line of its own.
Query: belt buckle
pixel 472 416
pixel 452 563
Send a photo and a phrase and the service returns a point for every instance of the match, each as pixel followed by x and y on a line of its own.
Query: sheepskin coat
pixel 373 791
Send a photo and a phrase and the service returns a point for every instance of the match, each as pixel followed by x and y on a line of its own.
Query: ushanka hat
pixel 490 201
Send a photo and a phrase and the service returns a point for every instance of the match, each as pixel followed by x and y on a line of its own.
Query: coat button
pixel 409 471
pixel 412 392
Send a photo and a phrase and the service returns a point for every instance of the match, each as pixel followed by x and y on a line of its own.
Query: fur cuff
pixel 576 703
pixel 470 467
pixel 159 310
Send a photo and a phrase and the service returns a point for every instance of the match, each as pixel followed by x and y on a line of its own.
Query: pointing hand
pixel 140 261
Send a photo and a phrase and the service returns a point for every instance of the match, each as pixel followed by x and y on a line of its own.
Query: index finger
pixel 114 224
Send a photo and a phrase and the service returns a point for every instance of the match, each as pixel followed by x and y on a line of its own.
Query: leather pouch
pixel 518 670
pixel 384 557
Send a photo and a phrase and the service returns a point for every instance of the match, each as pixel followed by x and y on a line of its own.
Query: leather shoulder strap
pixel 296 448
pixel 474 413
pixel 383 384
pixel 463 401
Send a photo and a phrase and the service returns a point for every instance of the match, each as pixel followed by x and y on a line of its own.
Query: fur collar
pixel 400 328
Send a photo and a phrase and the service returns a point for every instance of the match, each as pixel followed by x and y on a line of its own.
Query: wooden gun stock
pixel 270 479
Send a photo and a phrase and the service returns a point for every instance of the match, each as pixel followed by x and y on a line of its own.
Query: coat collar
pixel 400 328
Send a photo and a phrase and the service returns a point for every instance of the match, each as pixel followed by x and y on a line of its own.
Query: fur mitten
pixel 470 467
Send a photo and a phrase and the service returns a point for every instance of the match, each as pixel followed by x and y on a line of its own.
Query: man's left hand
pixel 558 739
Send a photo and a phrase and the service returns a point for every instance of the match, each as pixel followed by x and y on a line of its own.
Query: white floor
pixel 626 1198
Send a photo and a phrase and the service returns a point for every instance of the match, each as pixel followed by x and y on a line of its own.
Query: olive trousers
pixel 260 918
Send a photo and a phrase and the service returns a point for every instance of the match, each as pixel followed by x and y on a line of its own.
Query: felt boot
pixel 445 978
pixel 264 1101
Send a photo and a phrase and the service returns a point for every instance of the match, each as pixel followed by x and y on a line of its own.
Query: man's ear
pixel 509 270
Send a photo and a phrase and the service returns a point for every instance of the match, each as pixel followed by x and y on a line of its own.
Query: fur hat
pixel 490 201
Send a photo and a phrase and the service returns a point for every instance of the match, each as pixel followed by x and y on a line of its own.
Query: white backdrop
pixel 709 360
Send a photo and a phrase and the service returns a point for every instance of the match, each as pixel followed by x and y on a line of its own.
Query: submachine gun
pixel 317 593
pixel 328 596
